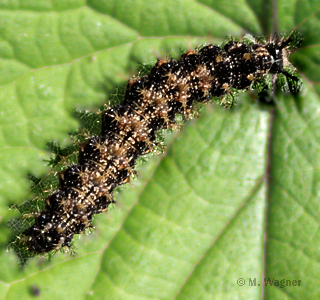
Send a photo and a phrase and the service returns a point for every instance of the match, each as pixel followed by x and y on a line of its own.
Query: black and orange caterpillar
pixel 129 130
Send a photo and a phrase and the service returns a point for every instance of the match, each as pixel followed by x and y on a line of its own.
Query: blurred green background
pixel 202 215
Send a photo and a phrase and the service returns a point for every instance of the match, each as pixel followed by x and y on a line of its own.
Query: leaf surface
pixel 236 193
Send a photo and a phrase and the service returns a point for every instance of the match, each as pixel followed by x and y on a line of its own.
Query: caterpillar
pixel 129 130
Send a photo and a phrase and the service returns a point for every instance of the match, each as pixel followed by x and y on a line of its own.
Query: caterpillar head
pixel 279 49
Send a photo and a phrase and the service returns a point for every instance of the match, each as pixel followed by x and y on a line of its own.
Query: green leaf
pixel 236 193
